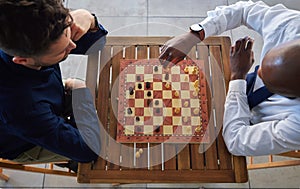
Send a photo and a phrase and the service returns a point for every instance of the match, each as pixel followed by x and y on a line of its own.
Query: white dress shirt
pixel 275 122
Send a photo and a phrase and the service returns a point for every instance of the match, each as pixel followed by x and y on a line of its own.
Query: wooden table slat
pixel 102 102
pixel 183 156
pixel 219 83
pixel 170 161
pixel 127 151
pixel 114 149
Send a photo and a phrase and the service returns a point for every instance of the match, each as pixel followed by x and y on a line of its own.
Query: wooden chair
pixel 3 176
pixel 290 159
pixel 215 165
pixel 32 168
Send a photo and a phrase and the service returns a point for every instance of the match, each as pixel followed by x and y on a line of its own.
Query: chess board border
pixel 195 138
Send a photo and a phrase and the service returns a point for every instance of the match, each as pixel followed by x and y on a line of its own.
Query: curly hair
pixel 29 27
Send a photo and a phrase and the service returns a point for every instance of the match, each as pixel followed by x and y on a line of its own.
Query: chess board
pixel 162 103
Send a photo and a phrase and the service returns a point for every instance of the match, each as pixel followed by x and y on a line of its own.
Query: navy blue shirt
pixel 31 108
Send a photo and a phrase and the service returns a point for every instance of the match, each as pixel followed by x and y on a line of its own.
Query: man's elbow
pixel 233 150
pixel 233 146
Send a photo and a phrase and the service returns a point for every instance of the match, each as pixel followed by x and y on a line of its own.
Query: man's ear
pixel 259 72
pixel 22 60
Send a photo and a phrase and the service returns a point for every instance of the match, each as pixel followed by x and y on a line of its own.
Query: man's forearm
pixel 86 118
pixel 225 18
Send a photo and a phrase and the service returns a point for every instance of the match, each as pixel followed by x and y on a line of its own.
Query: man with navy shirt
pixel 34 37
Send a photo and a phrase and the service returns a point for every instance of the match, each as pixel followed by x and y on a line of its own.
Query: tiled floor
pixel 161 18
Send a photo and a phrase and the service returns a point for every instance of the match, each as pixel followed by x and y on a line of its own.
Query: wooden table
pixel 167 163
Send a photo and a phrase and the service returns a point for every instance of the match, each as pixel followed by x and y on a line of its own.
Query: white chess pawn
pixel 141 150
pixel 137 154
pixel 176 93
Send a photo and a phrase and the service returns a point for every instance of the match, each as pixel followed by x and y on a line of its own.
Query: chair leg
pixel 3 176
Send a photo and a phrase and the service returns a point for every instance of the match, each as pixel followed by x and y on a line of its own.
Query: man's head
pixel 280 69
pixel 33 29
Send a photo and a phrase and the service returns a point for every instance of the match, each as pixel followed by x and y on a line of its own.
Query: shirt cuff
pixel 209 27
pixel 238 85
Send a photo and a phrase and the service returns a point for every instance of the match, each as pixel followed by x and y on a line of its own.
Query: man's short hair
pixel 29 27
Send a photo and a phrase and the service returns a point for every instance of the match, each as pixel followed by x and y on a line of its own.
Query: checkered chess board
pixel 162 103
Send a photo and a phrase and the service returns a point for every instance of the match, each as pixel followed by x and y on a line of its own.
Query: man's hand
pixel 241 58
pixel 83 20
pixel 177 48
pixel 71 84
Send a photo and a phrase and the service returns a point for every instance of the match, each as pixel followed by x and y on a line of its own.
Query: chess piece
pixel 186 104
pixel 131 91
pixel 196 84
pixel 198 129
pixel 137 118
pixel 195 70
pixel 129 111
pixel 196 111
pixel 157 128
pixel 176 93
pixel 177 110
pixel 195 93
pixel 140 86
pixel 167 85
pixel 149 93
pixel 137 154
pixel 186 78
pixel 141 150
pixel 167 77
pixel 156 68
pixel 186 70
pixel 148 85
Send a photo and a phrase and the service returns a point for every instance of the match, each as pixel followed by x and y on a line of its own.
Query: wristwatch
pixel 96 28
pixel 196 27
pixel 198 30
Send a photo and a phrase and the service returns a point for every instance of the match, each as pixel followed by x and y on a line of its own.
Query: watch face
pixel 196 27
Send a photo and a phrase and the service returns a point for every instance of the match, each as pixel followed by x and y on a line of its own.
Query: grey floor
pixel 161 18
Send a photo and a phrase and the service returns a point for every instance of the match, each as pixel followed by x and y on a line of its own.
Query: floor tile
pixel 23 178
pixel 67 181
pixel 115 8
pixel 170 26
pixel 283 177
pixel 186 8
pixel 200 185
pixel 125 26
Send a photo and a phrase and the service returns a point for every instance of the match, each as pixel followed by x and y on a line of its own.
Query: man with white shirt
pixel 273 125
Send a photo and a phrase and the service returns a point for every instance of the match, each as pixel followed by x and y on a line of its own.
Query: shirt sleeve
pixel 89 40
pixel 225 18
pixel 45 128
pixel 267 137
pixel 276 24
